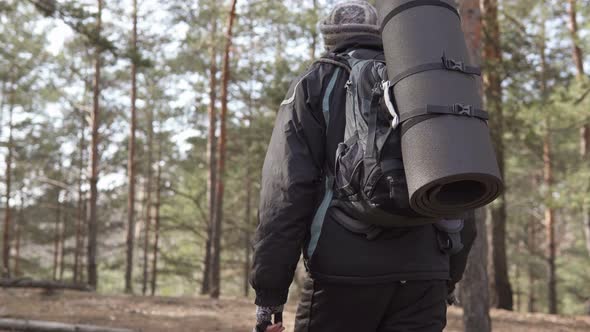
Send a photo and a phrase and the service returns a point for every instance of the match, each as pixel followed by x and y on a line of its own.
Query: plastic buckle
pixel 348 84
pixel 386 86
pixel 378 89
pixel 451 64
pixel 462 109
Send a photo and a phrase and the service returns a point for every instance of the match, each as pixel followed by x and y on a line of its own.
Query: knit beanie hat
pixel 349 19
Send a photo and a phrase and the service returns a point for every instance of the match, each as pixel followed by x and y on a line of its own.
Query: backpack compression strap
pixel 456 109
pixel 444 64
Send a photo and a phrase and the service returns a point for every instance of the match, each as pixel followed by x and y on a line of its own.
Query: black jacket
pixel 309 126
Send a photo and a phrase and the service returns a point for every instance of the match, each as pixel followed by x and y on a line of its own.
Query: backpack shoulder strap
pixel 335 60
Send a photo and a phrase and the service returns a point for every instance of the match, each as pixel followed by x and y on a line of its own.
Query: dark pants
pixel 417 306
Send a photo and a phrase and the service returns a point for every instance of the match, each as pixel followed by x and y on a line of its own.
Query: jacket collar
pixel 359 42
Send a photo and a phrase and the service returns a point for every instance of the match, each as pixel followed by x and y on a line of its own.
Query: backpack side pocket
pixel 348 170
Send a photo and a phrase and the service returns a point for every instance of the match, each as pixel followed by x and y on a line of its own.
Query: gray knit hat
pixel 349 19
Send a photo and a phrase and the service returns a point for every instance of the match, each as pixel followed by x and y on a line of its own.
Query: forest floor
pixel 157 314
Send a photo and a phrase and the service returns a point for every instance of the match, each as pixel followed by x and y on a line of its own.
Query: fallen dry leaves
pixel 158 314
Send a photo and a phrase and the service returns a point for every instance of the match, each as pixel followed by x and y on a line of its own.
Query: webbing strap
pixel 445 64
pixel 417 3
pixel 335 63
pixel 457 109
pixel 318 219
pixel 328 96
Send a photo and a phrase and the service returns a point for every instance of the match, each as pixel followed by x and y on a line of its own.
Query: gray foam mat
pixel 449 159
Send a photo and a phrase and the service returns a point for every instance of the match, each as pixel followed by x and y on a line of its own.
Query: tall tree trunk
pixel 217 225
pixel 517 284
pixel 148 210
pixel 248 207
pixel 131 161
pixel 81 220
pixel 8 177
pixel 56 233
pixel 548 181
pixel 577 54
pixel 93 221
pixel 211 155
pixel 475 297
pixel 550 224
pixel 474 287
pixel 247 253
pixel 578 57
pixel 532 249
pixel 83 272
pixel 493 95
pixel 62 242
pixel 2 101
pixel 314 31
pixel 157 218
pixel 18 231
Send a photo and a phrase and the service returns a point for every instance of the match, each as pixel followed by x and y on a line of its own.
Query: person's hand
pixel 451 297
pixel 264 319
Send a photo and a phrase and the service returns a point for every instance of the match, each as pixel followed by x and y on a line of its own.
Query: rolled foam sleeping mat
pixel 450 163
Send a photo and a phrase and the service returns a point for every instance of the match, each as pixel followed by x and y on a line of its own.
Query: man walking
pixel 396 279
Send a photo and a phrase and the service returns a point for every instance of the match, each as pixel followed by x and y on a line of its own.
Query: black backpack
pixel 369 177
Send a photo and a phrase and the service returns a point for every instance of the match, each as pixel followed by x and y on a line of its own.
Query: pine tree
pixel 217 230
pixel 578 57
pixel 94 173
pixel 211 153
pixel 8 182
pixel 474 287
pixel 148 201
pixel 131 160
pixel 157 205
pixel 492 54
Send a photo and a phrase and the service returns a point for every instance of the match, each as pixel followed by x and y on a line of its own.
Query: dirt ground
pixel 145 314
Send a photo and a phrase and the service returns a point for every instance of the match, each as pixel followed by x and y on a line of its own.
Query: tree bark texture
pixel 81 219
pixel 18 233
pixel 157 204
pixel 56 234
pixel 248 207
pixel 548 179
pixel 93 221
pixel 577 53
pixel 148 210
pixel 474 287
pixel 217 228
pixel 131 167
pixel 550 226
pixel 578 57
pixel 314 31
pixel 532 280
pixel 492 54
pixel 62 243
pixel 7 208
pixel 211 155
